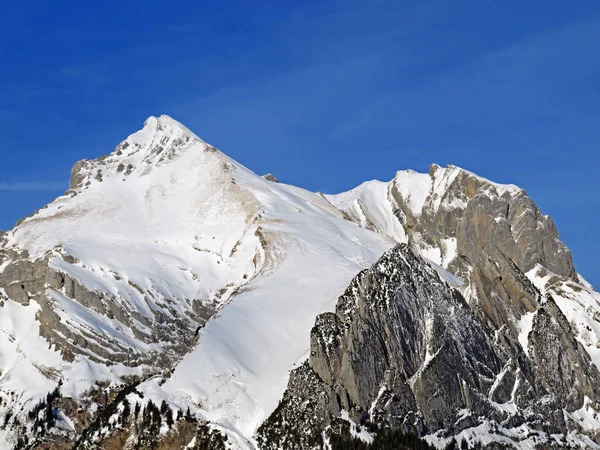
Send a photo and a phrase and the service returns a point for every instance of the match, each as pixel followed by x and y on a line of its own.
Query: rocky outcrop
pixel 476 324
pixel 404 350
pixel 488 235
pixel 24 280
pixel 78 175
pixel 561 364
pixel 302 415
pixel 270 177
pixel 478 214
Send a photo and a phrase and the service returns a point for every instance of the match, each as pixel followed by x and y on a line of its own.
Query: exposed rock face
pixel 24 280
pixel 404 350
pixel 561 365
pixel 270 177
pixel 452 206
pixel 78 174
pixel 304 412
pixel 401 322
pixel 476 324
pixel 114 282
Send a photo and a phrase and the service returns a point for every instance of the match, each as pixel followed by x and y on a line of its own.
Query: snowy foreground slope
pixel 171 273
pixel 170 229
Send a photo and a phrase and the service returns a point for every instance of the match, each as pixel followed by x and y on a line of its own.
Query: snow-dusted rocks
pixel 532 367
pixel 404 350
pixel 124 270
pixel 452 214
pixel 171 277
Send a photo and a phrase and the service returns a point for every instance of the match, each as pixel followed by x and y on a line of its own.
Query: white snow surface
pixel 522 437
pixel 587 417
pixel 415 186
pixel 524 327
pixel 184 223
pixel 363 434
pixel 369 206
pixel 166 220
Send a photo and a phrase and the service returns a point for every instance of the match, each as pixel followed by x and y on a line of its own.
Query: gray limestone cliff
pixel 474 324
pixel 404 350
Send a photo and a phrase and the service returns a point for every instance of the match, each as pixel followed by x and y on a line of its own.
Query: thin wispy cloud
pixel 32 186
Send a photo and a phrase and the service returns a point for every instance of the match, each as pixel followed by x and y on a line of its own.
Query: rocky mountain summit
pixel 404 350
pixel 489 334
pixel 171 295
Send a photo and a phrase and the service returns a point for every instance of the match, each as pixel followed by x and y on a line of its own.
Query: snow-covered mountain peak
pixel 151 241
pixel 444 211
pixel 448 187
pixel 171 264
pixel 159 131
pixel 161 141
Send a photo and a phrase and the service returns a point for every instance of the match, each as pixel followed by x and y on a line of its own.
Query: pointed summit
pixel 161 140
pixel 158 132
pixel 155 238
pixel 171 264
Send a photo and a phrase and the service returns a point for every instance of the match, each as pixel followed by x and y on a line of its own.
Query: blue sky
pixel 325 94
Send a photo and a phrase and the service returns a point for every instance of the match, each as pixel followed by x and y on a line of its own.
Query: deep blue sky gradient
pixel 325 94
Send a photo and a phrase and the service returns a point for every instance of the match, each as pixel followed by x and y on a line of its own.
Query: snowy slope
pixel 162 223
pixel 171 262
pixel 369 205
pixel 184 213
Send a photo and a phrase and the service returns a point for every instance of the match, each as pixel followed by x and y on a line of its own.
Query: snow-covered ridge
pixel 417 189
pixel 157 237
pixel 168 258
pixel 161 141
